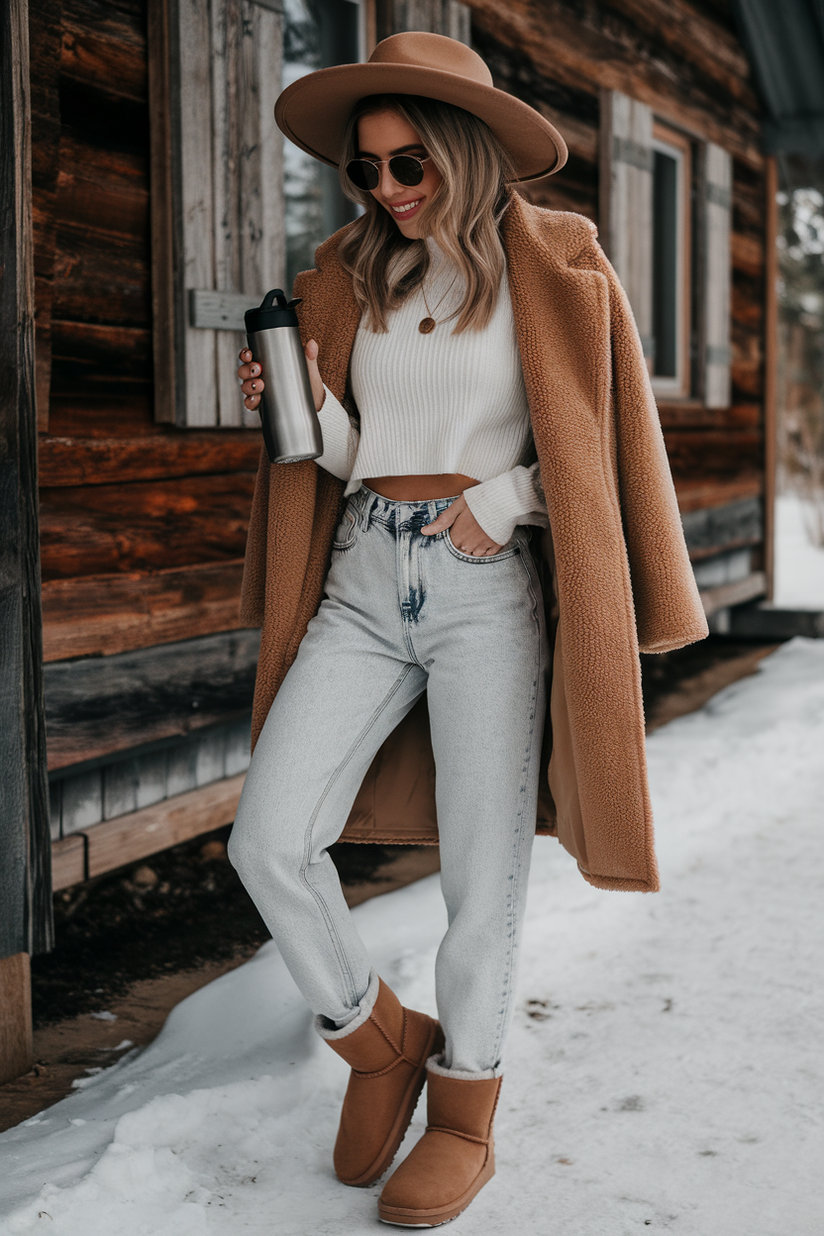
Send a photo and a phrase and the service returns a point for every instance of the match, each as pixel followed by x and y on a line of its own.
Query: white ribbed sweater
pixel 441 403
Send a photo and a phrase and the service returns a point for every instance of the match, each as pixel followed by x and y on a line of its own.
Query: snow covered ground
pixel 665 1068
pixel 799 565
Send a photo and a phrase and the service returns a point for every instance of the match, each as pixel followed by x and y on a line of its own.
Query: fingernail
pixel 255 370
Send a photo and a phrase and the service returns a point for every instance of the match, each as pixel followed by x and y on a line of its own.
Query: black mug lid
pixel 274 310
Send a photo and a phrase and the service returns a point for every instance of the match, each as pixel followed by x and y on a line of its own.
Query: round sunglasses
pixel 406 169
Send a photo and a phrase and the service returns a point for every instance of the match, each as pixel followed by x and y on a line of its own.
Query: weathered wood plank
pixel 68 861
pixel 45 29
pixel 715 275
pixel 697 492
pixel 194 207
pixel 16 1044
pixel 260 183
pixel 123 352
pixel 625 206
pixel 747 254
pixel 747 370
pixel 101 277
pixel 715 529
pixel 103 188
pixel 111 409
pixel 146 526
pixel 707 42
pixel 724 595
pixel 217 217
pixel 82 799
pixel 694 414
pixel 106 461
pixel 102 705
pixel 135 836
pixel 102 615
pixel 105 45
pixel 238 739
pixel 25 887
pixel 165 222
pixel 577 48
pixel 707 452
pixel 128 838
pixel 210 756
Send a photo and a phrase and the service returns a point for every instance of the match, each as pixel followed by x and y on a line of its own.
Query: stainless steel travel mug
pixel 291 429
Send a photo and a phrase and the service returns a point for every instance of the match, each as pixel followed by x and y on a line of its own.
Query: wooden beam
pixel 25 881
pixel 128 838
pixel 712 530
pixel 693 414
pixel 105 46
pixel 16 1048
pixel 98 706
pixel 145 525
pixel 694 493
pixel 106 461
pixel 770 370
pixel 100 615
pixel 697 452
pixel 736 593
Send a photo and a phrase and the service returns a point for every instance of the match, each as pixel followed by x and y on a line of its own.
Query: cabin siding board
pixel 97 707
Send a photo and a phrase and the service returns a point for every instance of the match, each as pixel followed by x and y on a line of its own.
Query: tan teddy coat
pixel 614 563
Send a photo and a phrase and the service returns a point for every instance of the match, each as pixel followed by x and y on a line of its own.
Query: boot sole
pixel 403 1217
pixel 402 1120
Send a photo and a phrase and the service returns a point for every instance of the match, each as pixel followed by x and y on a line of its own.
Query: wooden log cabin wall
pixel 143 523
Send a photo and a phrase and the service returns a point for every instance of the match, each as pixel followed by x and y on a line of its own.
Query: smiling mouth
pixel 401 210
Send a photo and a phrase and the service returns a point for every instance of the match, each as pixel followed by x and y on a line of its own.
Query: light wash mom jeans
pixel 405 613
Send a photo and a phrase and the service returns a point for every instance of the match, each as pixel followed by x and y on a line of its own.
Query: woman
pixel 493 364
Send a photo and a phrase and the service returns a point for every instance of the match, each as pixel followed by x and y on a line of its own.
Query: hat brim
pixel 314 110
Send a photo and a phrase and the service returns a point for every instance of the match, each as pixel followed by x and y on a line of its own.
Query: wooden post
pixel 770 369
pixel 15 1017
pixel 25 873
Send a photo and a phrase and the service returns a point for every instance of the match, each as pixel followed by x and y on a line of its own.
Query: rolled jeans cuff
pixel 330 1030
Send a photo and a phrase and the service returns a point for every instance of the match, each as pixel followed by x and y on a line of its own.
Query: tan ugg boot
pixel 453 1160
pixel 387 1054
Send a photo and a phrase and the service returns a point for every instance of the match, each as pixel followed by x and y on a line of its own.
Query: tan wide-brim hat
pixel 314 110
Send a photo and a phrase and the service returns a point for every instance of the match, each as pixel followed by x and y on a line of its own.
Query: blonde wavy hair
pixel 463 216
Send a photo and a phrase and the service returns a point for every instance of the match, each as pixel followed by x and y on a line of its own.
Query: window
pixel 671 229
pixel 664 220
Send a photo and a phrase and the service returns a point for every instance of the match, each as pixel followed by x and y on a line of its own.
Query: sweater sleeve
pixel 514 497
pixel 340 438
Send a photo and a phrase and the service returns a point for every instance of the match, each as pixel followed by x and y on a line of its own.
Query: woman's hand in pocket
pixel 466 533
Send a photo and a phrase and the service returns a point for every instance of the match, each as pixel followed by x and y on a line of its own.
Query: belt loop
pixel 368 500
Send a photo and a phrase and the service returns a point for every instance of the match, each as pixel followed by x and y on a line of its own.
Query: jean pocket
pixel 508 551
pixel 347 529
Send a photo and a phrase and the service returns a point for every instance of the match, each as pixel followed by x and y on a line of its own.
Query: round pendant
pixel 426 326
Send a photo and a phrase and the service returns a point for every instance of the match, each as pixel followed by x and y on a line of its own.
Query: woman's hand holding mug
pixel 252 384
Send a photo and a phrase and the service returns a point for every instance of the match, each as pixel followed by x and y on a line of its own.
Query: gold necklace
pixel 428 324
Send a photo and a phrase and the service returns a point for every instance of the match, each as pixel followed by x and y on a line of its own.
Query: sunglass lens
pixel 362 173
pixel 406 169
